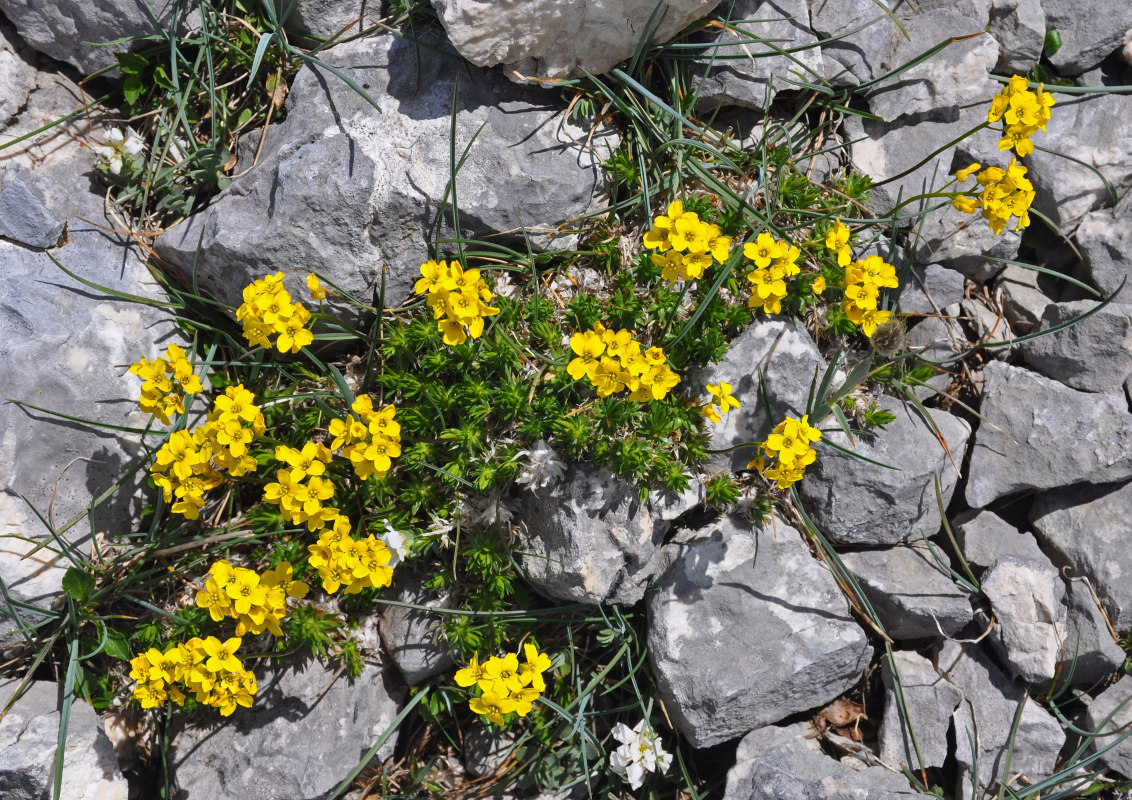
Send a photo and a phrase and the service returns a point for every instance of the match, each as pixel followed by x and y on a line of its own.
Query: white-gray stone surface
pixel 557 40
pixel 1041 434
pixel 1019 27
pixel 855 502
pixel 1095 129
pixel 294 743
pixel 1105 240
pixel 745 62
pixel 1093 355
pixel 76 31
pixel 29 737
pixel 985 716
pixel 415 638
pixel 1027 596
pixel 781 763
pixel 747 628
pixel 929 701
pixel 1086 528
pixel 1114 704
pixel 984 537
pixel 911 593
pixel 588 538
pixel 1091 30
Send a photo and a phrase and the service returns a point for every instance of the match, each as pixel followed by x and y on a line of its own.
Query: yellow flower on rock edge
pixel 315 287
pixel 863 281
pixel 722 401
pixel 458 299
pixel 1022 112
pixel 1005 194
pixel 613 362
pixel 269 310
pixel 789 444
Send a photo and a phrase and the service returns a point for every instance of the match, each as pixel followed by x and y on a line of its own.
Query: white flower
pixel 543 466
pixel 397 543
pixel 118 147
pixel 489 512
pixel 640 752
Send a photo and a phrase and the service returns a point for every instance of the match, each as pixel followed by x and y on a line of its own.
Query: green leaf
pixel 78 583
pixel 132 63
pixel 132 88
pixel 116 645
pixel 1053 41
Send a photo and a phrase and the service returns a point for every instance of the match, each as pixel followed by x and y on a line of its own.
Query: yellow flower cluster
pixel 863 282
pixel 257 602
pixel 789 445
pixel 206 667
pixel 268 310
pixel 1023 113
pixel 722 401
pixel 188 464
pixel 1006 193
pixel 371 440
pixel 774 262
pixel 613 362
pixel 458 298
pixel 506 685
pixel 355 564
pixel 166 382
pixel 837 241
pixel 299 489
pixel 687 245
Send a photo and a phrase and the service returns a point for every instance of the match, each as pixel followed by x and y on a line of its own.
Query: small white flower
pixel 118 147
pixel 543 466
pixel 397 543
pixel 489 512
pixel 640 752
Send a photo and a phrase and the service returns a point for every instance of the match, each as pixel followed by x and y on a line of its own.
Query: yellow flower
pixel 588 347
pixel 722 397
pixel 818 285
pixel 493 706
pixel 315 287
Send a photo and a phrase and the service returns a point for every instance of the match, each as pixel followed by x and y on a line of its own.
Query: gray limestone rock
pixel 745 61
pixel 1105 240
pixel 963 242
pixel 938 340
pixel 1090 31
pixel 17 73
pixel 349 191
pixel 29 737
pixel 326 19
pixel 589 538
pixel 1027 596
pixel 747 628
pixel 779 352
pixel 1019 27
pixel 61 347
pixel 955 77
pixel 1093 355
pixel 911 593
pixel 1096 129
pixel 985 717
pixel 852 59
pixel 1023 298
pixel 557 40
pixel 1114 704
pixel 1086 528
pixel 24 217
pixel 1089 649
pixel 295 742
pixel 989 326
pixel 782 763
pixel 1041 434
pixel 485 750
pixel 76 31
pixel 855 502
pixel 929 701
pixel 930 288
pixel 984 537
pixel 415 638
